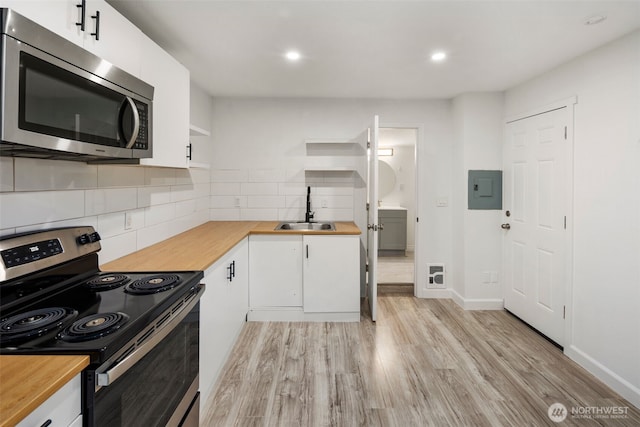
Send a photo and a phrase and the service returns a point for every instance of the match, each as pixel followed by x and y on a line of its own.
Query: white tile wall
pixel 6 174
pixel 120 176
pixel 110 200
pixel 162 202
pixel 268 194
pixel 25 208
pixel 149 196
pixel 37 175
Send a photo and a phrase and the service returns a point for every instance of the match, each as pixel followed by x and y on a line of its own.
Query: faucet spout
pixel 308 215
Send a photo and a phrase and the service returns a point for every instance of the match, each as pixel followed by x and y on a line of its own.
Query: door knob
pixel 506 226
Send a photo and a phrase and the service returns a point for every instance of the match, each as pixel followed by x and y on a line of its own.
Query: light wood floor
pixel 424 363
pixel 396 269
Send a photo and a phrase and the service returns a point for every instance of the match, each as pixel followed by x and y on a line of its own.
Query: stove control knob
pixel 85 239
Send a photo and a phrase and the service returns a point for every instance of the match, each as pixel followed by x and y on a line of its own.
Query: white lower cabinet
pixel 304 278
pixel 223 312
pixel 275 271
pixel 61 409
pixel 331 274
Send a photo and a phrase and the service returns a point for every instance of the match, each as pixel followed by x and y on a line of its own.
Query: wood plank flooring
pixel 424 363
pixel 396 269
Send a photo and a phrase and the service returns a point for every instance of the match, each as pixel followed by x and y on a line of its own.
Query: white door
pixel 372 220
pixel 535 203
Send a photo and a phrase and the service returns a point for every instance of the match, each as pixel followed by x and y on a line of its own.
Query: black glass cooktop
pixel 95 315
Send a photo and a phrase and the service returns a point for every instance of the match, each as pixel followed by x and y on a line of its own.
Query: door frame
pixel 569 104
pixel 417 271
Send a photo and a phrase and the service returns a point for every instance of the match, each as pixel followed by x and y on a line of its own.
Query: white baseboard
pixel 604 374
pixel 287 314
pixel 477 303
pixel 435 293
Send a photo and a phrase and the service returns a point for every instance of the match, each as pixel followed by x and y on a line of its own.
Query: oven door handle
pixel 108 377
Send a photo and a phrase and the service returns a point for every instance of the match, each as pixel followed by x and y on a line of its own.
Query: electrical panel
pixel 485 189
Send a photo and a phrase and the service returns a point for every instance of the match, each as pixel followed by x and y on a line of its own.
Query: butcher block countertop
pixel 27 381
pixel 200 247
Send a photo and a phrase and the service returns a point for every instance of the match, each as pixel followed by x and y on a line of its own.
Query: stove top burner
pixel 34 323
pixel 93 327
pixel 107 281
pixel 153 284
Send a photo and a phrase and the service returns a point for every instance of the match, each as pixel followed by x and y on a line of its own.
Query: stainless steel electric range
pixel 139 329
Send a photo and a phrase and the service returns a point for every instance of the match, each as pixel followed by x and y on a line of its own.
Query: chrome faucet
pixel 308 215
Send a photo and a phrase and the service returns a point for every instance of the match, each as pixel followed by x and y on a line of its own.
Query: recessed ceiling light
pixel 594 19
pixel 293 55
pixel 438 56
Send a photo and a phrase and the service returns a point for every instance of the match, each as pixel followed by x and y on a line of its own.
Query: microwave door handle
pixel 136 122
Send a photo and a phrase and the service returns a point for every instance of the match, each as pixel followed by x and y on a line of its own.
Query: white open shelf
pixel 329 141
pixel 196 131
pixel 329 169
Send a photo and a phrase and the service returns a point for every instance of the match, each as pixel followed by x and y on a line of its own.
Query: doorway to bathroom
pixel 397 209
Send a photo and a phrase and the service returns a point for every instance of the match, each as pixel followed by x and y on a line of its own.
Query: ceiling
pixel 374 49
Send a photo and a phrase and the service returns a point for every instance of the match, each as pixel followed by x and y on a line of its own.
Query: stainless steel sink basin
pixel 316 226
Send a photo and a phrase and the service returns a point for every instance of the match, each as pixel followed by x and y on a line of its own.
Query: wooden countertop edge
pixel 28 381
pixel 200 247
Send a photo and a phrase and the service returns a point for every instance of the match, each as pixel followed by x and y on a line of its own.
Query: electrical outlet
pixel 128 220
pixel 324 203
pixel 237 202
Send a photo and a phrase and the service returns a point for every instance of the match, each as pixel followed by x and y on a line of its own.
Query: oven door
pixel 50 104
pixel 159 389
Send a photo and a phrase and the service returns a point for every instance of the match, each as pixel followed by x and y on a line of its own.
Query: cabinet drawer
pixel 392 213
pixel 62 408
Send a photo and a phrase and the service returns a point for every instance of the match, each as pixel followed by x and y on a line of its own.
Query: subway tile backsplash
pixel 271 194
pixel 160 202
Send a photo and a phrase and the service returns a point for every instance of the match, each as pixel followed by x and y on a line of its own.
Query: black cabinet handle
pixel 307 251
pixel 97 18
pixel 230 275
pixel 189 151
pixel 233 268
pixel 48 422
pixel 83 7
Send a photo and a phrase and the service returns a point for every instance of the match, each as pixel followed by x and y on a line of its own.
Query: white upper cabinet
pixel 112 37
pixel 59 16
pixel 107 34
pixel 170 80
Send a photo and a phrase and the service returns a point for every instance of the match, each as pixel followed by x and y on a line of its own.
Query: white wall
pixel 604 309
pixel 260 155
pixel 37 194
pixel 477 237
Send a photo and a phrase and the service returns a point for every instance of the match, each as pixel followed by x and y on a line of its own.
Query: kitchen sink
pixel 316 226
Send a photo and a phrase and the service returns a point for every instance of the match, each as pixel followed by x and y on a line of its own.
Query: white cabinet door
pixel 331 274
pixel 118 41
pixel 238 286
pixel 223 309
pixel 275 271
pixel 59 16
pixel 62 408
pixel 170 80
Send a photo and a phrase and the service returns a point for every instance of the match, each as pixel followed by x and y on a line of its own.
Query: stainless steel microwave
pixel 60 101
